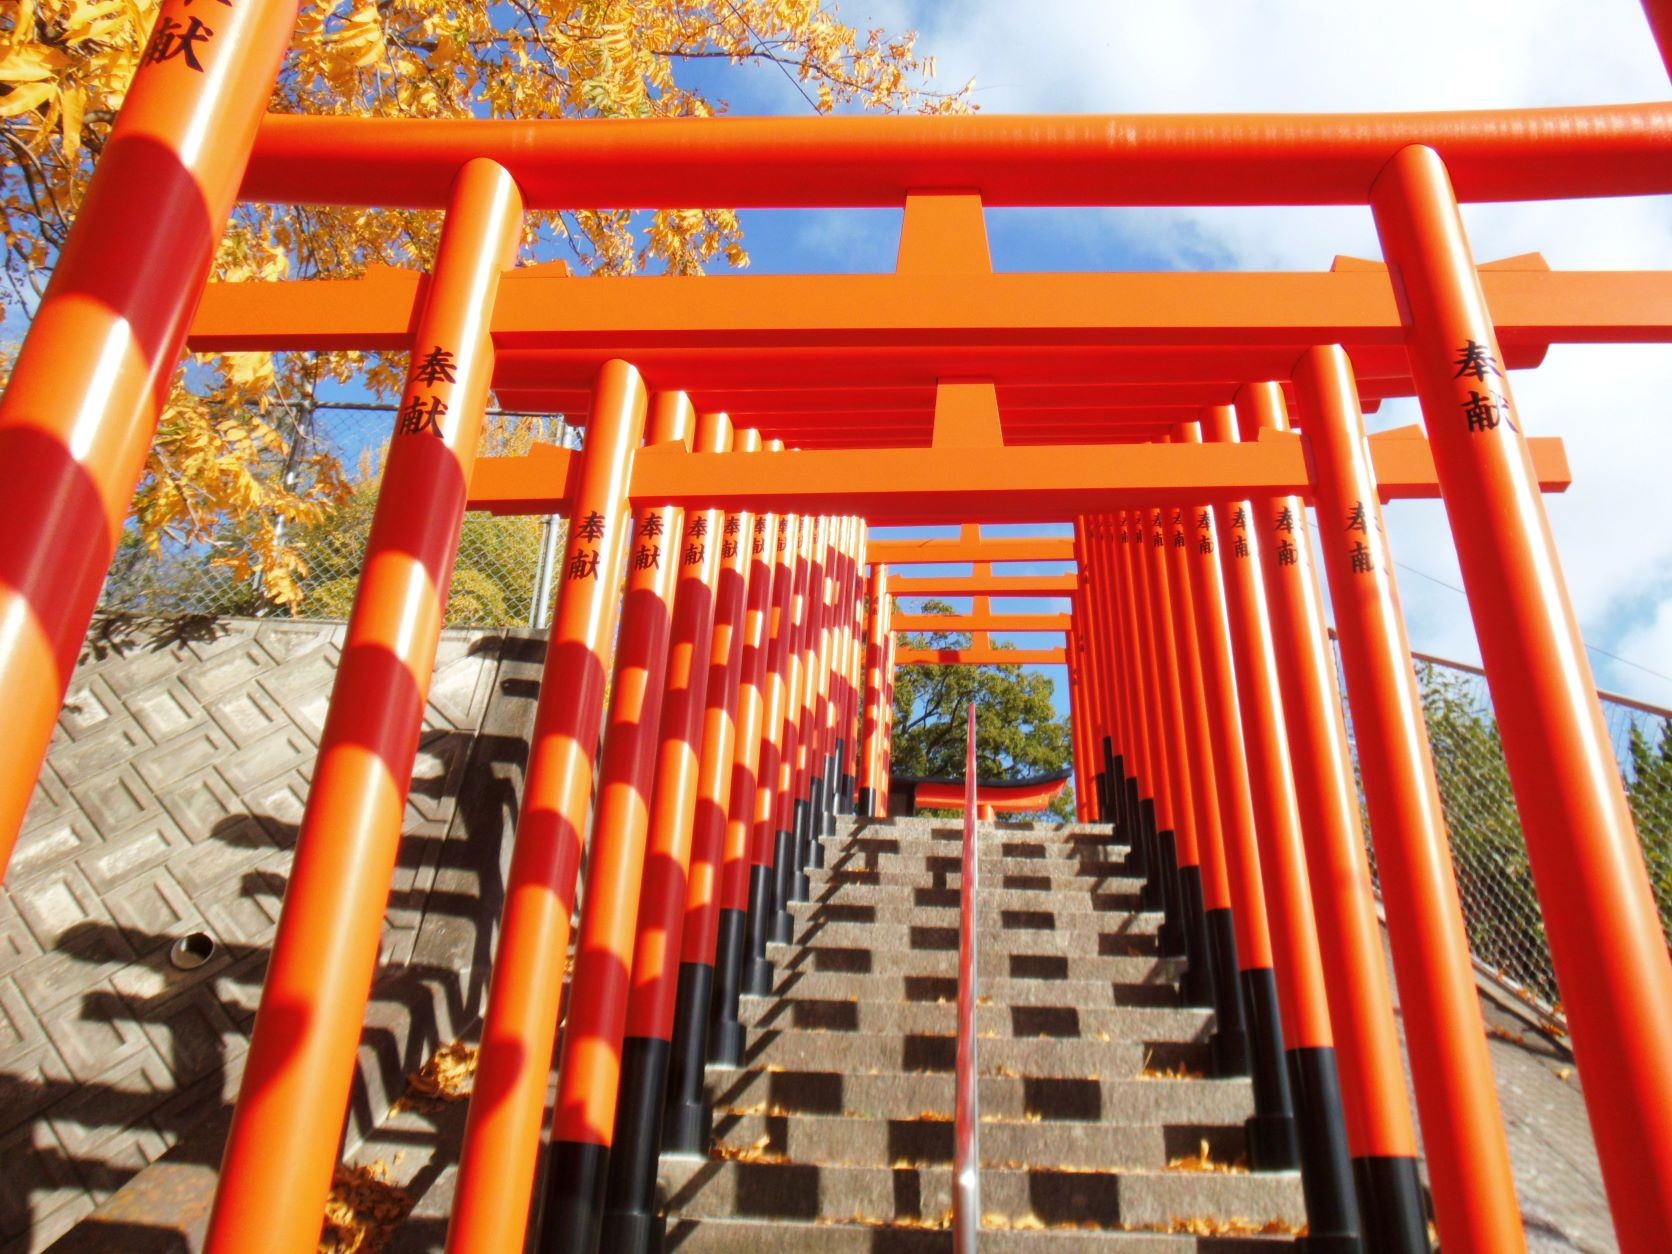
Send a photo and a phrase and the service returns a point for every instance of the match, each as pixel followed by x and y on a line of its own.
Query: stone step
pixel 856 1052
pixel 993 1018
pixel 953 829
pixel 990 916
pixel 1034 879
pixel 1010 1143
pixel 861 892
pixel 989 865
pixel 753 1090
pixel 1078 849
pixel 807 1191
pixel 854 960
pixel 1122 936
pixel 749 1236
pixel 1149 982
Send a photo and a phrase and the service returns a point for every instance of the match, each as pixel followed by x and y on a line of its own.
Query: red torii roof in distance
pixel 1008 796
pixel 977 656
pixel 1065 160
pixel 978 584
pixel 1050 624
pixel 964 549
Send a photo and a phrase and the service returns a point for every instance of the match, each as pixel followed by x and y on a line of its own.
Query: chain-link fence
pixel 502 576
pixel 1494 879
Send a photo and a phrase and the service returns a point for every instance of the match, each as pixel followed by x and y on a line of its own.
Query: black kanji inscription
pixel 437 367
pixel 1473 360
pixel 170 40
pixel 420 415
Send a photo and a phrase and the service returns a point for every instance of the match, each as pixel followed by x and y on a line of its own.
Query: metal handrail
pixel 966 1156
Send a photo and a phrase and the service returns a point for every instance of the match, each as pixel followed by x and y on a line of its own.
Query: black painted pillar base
pixel 757 971
pixel 725 1032
pixel 832 795
pixel 1132 826
pixel 630 1180
pixel 1172 906
pixel 758 975
pixel 1326 1173
pixel 1111 773
pixel 832 800
pixel 806 819
pixel 572 1218
pixel 783 874
pixel 1231 1046
pixel 1115 788
pixel 824 819
pixel 867 803
pixel 1100 795
pixel 1151 835
pixel 842 801
pixel 1273 1137
pixel 686 1121
pixel 1390 1198
pixel 634 1232
pixel 1200 979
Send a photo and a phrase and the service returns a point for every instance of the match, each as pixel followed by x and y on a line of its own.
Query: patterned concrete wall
pixel 170 804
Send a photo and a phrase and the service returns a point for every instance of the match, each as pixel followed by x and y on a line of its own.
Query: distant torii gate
pixel 780 416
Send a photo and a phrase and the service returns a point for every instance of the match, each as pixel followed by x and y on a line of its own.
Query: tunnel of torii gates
pixel 741 435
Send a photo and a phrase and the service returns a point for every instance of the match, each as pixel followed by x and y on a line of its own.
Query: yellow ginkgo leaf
pixel 73 104
pixel 31 63
pixel 25 97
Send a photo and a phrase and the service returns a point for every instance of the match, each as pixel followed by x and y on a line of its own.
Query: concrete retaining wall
pixel 169 805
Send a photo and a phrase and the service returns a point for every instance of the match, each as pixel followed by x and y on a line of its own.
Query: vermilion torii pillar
pixel 1086 807
pixel 1380 1132
pixel 287 1124
pixel 876 633
pixel 1297 960
pixel 1463 1133
pixel 629 1198
pixel 1271 1130
pixel 1153 816
pixel 746 880
pixel 589 1064
pixel 1230 1032
pixel 1116 755
pixel 717 889
pixel 1606 942
pixel 82 403
pixel 519 1028
pixel 765 844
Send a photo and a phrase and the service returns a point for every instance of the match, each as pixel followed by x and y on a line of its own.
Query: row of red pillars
pixel 1212 732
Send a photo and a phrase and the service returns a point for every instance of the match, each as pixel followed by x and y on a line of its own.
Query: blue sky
pixel 1608 403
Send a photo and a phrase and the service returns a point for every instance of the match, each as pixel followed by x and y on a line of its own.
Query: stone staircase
pixel 1098 1129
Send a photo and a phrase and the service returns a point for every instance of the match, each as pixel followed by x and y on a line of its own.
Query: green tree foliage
pixel 1489 852
pixel 1017 729
pixel 1500 907
pixel 1649 789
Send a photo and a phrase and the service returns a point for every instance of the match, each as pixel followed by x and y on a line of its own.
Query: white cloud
pixel 1610 404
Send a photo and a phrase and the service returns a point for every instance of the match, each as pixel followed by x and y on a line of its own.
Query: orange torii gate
pixel 1152 411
